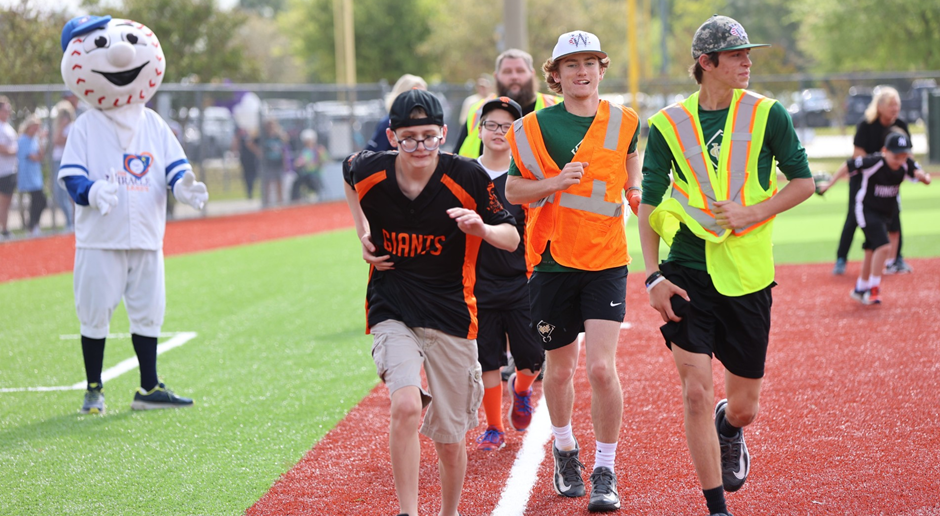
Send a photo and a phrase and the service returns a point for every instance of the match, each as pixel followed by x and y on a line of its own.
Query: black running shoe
pixel 567 479
pixel 158 398
pixel 735 461
pixel 604 495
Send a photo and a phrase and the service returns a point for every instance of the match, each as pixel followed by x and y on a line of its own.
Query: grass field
pixel 279 358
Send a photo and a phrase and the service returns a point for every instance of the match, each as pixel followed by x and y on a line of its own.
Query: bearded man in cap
pixel 714 290
pixel 571 164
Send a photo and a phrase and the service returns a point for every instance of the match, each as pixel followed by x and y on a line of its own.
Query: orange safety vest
pixel 585 222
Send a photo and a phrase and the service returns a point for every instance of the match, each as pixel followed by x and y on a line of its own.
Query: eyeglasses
pixel 490 125
pixel 410 144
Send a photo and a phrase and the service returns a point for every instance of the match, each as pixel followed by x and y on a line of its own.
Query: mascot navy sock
pixel 93 352
pixel 146 349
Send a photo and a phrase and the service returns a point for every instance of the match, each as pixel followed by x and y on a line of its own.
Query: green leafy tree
pixel 30 52
pixel 390 38
pixel 200 41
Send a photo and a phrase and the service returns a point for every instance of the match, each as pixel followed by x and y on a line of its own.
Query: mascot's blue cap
pixel 80 25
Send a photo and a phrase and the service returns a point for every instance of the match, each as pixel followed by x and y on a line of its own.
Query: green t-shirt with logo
pixel 562 133
pixel 780 142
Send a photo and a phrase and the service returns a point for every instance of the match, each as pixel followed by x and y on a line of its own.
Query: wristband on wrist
pixel 657 281
pixel 652 277
pixel 637 188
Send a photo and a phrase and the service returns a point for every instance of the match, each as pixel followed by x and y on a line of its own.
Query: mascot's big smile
pixel 122 78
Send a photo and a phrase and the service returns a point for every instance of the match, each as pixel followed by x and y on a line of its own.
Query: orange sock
pixel 493 406
pixel 524 381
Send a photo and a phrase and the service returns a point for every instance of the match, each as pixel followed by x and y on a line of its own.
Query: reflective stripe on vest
pixel 687 132
pixel 529 161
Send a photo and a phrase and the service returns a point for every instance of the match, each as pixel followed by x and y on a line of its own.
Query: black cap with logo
pixel 897 142
pixel 505 103
pixel 404 104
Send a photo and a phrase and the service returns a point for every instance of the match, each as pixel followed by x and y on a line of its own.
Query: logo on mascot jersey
pixel 138 165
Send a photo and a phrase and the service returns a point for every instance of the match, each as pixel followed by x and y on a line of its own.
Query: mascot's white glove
pixel 103 194
pixel 190 191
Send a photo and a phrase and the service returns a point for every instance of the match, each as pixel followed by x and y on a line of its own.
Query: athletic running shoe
pixel 491 440
pixel 94 400
pixel 873 296
pixel 859 295
pixel 567 479
pixel 160 397
pixel 520 411
pixel 839 269
pixel 604 495
pixel 899 267
pixel 735 460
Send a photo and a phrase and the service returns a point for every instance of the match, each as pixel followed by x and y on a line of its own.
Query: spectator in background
pixel 29 165
pixel 273 151
pixel 881 118
pixel 484 89
pixel 7 163
pixel 379 141
pixel 308 165
pixel 65 115
pixel 247 145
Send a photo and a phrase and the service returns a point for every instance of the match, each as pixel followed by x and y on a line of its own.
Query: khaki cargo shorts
pixel 455 385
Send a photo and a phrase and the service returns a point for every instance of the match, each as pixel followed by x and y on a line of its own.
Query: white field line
pixel 179 338
pixel 522 476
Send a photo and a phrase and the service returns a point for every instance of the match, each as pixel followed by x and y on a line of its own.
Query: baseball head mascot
pixel 120 160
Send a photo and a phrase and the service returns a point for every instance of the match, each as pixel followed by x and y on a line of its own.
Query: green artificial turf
pixel 279 359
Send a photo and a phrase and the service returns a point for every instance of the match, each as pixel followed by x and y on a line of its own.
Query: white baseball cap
pixel 577 42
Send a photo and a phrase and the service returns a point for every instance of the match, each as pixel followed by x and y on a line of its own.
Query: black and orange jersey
pixel 501 275
pixel 432 283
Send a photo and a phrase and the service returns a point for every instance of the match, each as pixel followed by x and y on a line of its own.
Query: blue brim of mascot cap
pixel 80 25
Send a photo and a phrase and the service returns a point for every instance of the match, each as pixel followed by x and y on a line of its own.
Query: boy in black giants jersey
pixel 503 294
pixel 421 217
pixel 876 205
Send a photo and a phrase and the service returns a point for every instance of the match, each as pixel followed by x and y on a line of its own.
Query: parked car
pixel 811 108
pixel 855 105
pixel 215 137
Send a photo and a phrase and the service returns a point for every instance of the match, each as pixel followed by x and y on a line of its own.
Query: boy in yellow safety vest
pixel 714 289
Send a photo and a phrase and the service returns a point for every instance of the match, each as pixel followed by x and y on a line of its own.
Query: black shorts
pixel 875 226
pixel 735 329
pixel 562 301
pixel 495 326
pixel 8 184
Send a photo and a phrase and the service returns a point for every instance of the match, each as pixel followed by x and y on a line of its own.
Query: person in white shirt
pixel 8 148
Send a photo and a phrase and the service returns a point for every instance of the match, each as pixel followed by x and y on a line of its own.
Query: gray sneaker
pixel 899 267
pixel 604 495
pixel 94 400
pixel 735 460
pixel 160 397
pixel 567 479
pixel 839 268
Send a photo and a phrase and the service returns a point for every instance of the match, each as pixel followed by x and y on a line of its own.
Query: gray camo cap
pixel 720 33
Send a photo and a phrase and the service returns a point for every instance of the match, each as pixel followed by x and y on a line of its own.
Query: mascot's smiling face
pixel 111 63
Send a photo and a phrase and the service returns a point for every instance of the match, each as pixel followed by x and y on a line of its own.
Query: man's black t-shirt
pixel 501 275
pixel 871 136
pixel 878 184
pixel 432 283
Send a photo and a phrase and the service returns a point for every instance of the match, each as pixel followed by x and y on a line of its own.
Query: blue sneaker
pixel 839 269
pixel 160 397
pixel 491 440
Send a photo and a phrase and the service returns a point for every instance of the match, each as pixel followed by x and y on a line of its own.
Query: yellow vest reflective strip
pixel 471 144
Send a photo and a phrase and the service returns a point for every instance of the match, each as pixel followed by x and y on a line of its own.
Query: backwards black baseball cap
pixel 897 142
pixel 404 104
pixel 505 103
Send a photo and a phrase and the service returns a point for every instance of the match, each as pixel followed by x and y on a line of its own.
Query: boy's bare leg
pixel 404 446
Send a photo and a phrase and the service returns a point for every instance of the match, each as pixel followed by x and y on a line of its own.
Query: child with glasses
pixel 421 217
pixel 503 295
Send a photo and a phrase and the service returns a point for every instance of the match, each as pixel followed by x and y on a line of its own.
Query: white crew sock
pixel 861 285
pixel 564 439
pixel 605 455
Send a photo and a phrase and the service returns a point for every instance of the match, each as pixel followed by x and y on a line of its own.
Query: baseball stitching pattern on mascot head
pixel 111 63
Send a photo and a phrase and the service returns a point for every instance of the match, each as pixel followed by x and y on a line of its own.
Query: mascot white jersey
pixel 119 161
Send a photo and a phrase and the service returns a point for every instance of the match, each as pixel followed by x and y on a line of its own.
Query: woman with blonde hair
pixel 379 141
pixel 881 118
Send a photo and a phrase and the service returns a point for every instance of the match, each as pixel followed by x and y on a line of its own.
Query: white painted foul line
pixel 524 472
pixel 178 339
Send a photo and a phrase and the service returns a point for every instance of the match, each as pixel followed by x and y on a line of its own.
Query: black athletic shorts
pixel 8 184
pixel 495 326
pixel 875 226
pixel 735 330
pixel 562 301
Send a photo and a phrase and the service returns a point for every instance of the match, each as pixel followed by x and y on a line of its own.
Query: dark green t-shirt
pixel 563 134
pixel 780 143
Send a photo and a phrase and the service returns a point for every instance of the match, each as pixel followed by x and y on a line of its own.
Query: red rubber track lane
pixel 52 255
pixel 849 422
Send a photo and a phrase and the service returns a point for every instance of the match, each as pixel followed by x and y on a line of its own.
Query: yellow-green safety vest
pixel 740 261
pixel 471 144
